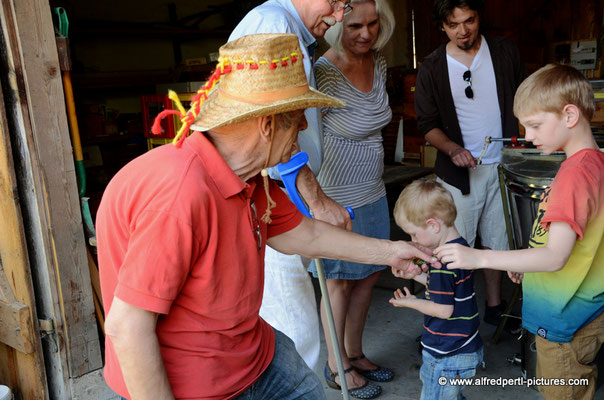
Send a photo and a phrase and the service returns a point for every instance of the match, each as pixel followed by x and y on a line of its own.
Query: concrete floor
pixel 389 340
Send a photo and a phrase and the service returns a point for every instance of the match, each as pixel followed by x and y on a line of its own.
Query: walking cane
pixel 289 172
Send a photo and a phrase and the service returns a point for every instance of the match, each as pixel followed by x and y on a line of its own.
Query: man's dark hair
pixel 444 8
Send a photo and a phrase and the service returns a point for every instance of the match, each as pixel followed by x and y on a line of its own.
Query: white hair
pixel 333 36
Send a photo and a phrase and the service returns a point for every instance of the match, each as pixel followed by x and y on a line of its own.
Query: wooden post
pixel 49 195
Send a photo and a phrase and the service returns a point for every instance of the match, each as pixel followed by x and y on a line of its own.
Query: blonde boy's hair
pixel 551 88
pixel 424 199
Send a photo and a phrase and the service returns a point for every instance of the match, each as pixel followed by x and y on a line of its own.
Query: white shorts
pixel 481 211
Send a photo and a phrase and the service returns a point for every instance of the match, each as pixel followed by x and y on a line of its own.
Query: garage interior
pixel 117 59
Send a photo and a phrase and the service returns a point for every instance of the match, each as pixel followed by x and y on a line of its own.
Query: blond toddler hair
pixel 424 199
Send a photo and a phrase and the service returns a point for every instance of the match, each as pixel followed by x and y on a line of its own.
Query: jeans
pixel 287 376
pixel 456 366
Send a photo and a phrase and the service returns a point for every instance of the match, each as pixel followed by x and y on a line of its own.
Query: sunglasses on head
pixel 467 76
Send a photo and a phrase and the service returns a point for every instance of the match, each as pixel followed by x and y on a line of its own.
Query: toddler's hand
pixel 516 277
pixel 403 274
pixel 400 298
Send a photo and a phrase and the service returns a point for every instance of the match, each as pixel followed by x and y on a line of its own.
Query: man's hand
pixel 458 256
pixel 401 299
pixel 403 255
pixel 463 158
pixel 516 277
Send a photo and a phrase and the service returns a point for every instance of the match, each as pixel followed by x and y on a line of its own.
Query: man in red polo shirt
pixel 182 232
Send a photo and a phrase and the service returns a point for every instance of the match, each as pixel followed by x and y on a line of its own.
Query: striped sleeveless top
pixel 353 160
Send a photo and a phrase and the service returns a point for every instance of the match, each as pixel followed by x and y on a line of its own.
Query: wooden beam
pixel 54 227
pixel 52 144
pixel 24 373
pixel 17 328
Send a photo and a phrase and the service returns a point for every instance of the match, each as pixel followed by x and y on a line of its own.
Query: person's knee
pixel 340 286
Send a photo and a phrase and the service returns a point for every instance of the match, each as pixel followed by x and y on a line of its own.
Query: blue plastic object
pixel 289 173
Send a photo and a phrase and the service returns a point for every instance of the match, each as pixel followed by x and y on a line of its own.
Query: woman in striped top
pixel 354 71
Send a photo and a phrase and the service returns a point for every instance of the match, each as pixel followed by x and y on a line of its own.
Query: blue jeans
pixel 287 376
pixel 456 366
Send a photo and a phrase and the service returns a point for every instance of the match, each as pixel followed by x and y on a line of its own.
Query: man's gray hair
pixel 386 20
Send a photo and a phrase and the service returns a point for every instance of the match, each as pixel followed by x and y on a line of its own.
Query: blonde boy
pixel 452 347
pixel 563 300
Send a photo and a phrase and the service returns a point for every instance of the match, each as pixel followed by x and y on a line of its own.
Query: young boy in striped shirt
pixel 452 347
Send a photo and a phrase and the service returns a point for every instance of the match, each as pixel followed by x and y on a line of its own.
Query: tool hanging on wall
pixel 289 172
pixel 62 31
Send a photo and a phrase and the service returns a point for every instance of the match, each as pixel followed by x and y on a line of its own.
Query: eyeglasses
pixel 338 6
pixel 255 224
pixel 467 76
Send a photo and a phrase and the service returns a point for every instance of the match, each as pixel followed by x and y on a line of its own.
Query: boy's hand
pixel 516 277
pixel 400 299
pixel 403 274
pixel 458 256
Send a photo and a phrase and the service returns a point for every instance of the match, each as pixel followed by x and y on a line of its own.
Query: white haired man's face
pixel 318 15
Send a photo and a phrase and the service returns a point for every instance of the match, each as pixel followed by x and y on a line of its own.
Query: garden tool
pixel 62 30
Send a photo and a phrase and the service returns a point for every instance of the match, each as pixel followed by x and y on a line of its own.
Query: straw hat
pixel 260 75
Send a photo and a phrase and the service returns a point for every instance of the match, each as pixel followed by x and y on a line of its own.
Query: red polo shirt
pixel 176 236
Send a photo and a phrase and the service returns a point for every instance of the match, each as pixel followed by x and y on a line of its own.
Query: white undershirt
pixel 480 116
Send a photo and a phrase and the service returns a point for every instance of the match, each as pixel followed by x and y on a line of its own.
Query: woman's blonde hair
pixel 333 36
pixel 424 199
pixel 551 88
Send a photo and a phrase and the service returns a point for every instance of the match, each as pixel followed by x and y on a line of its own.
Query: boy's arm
pixel 549 258
pixel 427 307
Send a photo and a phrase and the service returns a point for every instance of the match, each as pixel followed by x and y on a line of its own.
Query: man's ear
pixel 434 224
pixel 571 115
pixel 265 126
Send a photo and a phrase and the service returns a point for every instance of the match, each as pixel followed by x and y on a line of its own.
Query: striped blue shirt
pixel 458 333
pixel 353 155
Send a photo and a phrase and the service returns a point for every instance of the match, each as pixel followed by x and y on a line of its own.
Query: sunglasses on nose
pixel 467 77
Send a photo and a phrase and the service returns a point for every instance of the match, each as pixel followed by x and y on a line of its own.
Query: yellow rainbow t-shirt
pixel 557 304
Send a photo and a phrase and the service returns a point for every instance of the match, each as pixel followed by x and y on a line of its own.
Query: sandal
pixel 367 391
pixel 380 374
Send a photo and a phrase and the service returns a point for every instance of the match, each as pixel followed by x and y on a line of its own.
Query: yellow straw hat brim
pixel 220 110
